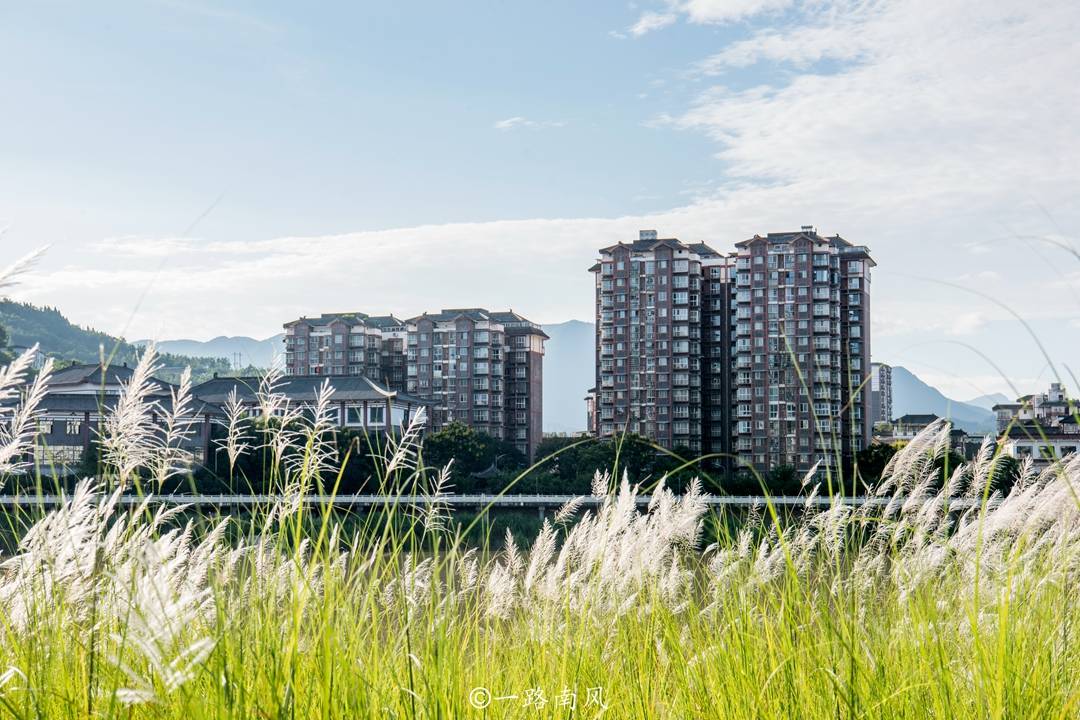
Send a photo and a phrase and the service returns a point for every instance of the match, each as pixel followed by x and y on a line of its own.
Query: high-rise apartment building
pixel 761 353
pixel 801 351
pixel 475 366
pixel 880 393
pixel 650 341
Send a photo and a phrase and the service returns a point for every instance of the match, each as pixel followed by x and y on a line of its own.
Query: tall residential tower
pixel 761 353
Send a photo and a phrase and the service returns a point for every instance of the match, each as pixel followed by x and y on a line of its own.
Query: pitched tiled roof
pixel 648 245
pixel 302 388
pixel 913 419
pixel 59 402
pixel 94 374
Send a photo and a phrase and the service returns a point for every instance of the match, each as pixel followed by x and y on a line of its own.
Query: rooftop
pixel 648 242
pixel 303 388
pixel 110 376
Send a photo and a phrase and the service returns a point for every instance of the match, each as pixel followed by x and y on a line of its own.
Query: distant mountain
pixel 910 395
pixel 248 351
pixel 58 337
pixel 569 371
pixel 987 402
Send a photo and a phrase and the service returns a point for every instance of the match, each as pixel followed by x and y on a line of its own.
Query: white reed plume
pixel 9 275
pixel 17 433
pixel 277 414
pixel 158 616
pixel 318 453
pixel 129 439
pixel 401 453
pixel 271 400
pixel 435 510
pixel 178 422
pixel 236 442
pixel 569 509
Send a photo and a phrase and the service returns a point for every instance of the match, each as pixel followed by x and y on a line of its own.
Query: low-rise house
pixel 906 427
pixel 1043 444
pixel 80 397
pixel 358 402
pixel 1042 426
pixel 1046 409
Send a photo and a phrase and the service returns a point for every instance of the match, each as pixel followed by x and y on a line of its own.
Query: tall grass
pixel 912 609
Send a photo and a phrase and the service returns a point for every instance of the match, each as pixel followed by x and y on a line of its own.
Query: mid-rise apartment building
pixel 474 366
pixel 348 344
pixel 482 368
pixel 762 353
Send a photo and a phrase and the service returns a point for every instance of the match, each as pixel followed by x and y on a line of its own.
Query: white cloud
pixel 523 122
pixel 984 279
pixel 967 323
pixel 721 11
pixel 704 12
pixel 650 21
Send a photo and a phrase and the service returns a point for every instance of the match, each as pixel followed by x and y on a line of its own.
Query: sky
pixel 200 168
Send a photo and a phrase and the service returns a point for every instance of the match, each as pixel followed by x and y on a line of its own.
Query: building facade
pixel 762 354
pixel 1046 409
pixel 654 343
pixel 80 397
pixel 880 393
pixel 482 368
pixel 357 402
pixel 347 344
pixel 1044 426
pixel 470 365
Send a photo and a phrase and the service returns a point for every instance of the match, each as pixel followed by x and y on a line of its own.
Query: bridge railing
pixel 468 500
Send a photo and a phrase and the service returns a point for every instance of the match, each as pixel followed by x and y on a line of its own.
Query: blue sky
pixel 366 115
pixel 202 168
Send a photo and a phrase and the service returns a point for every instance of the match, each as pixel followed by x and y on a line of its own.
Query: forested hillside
pixel 58 337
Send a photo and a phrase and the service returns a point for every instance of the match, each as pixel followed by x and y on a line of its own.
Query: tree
pixel 6 355
pixel 472 452
pixel 872 460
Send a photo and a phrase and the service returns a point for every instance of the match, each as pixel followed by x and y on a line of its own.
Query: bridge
pixel 540 502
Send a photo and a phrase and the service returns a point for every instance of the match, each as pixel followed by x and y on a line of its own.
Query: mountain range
pixel 58 337
pixel 913 396
pixel 241 351
pixel 987 402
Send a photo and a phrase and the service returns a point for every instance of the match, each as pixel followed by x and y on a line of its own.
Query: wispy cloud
pixel 518 121
pixel 702 12
pixel 650 21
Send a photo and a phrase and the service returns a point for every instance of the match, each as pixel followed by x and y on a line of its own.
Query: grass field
pixel 911 611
